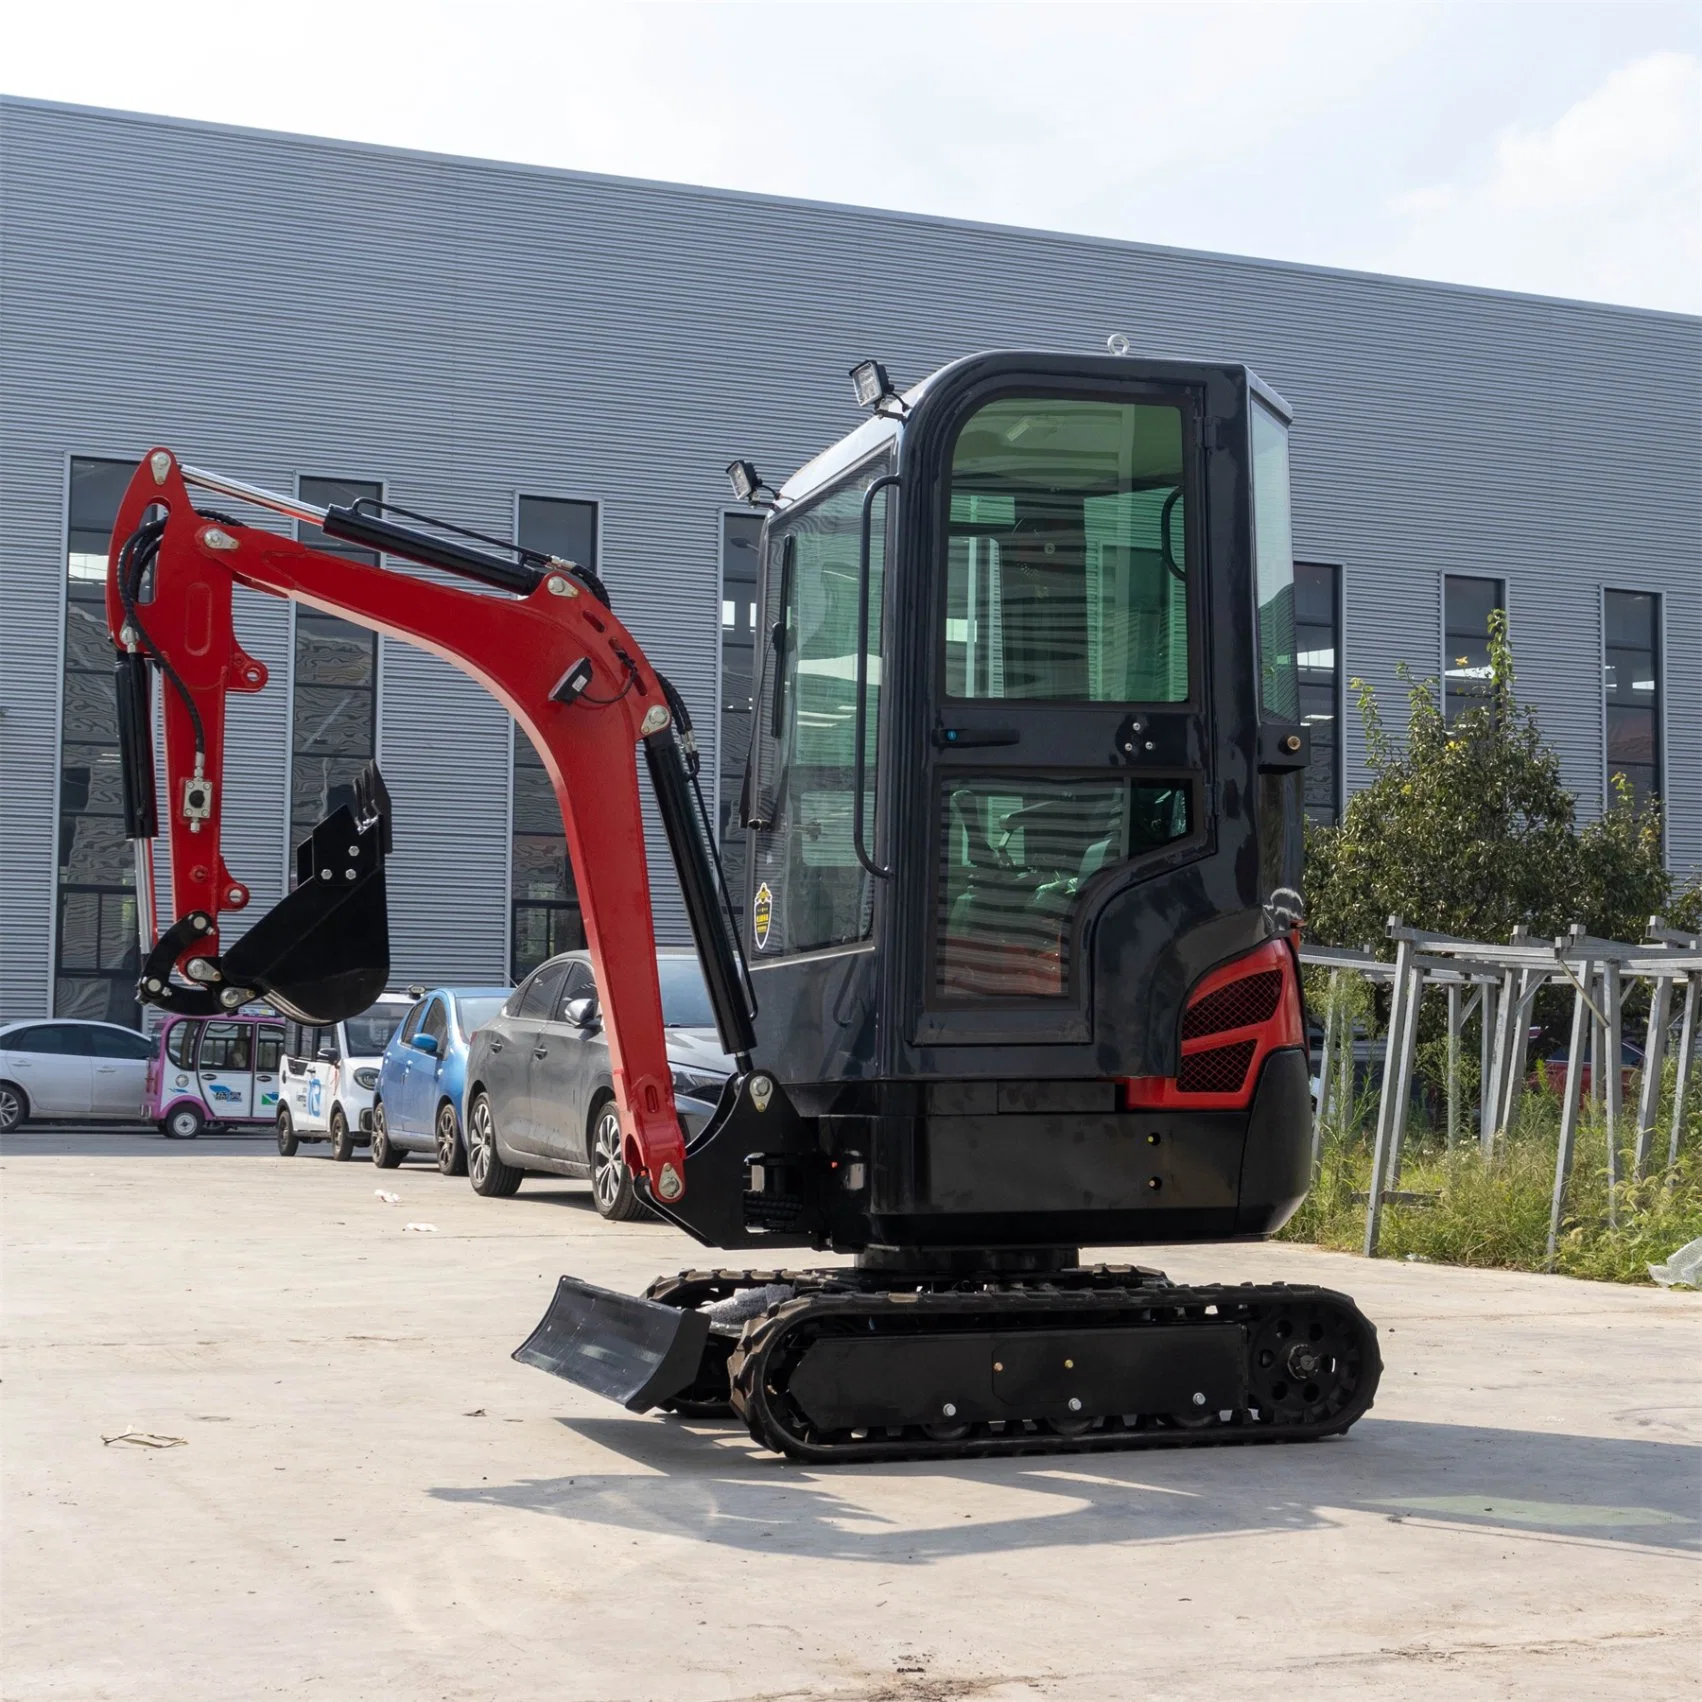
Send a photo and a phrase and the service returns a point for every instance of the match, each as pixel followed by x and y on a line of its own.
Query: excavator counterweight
pixel 1012 971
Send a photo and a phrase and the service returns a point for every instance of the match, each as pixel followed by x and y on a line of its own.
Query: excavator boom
pixel 540 637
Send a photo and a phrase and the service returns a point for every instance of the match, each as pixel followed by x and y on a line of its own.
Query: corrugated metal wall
pixel 273 306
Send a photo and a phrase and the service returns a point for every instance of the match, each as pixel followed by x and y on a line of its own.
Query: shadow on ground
pixel 119 1140
pixel 713 1486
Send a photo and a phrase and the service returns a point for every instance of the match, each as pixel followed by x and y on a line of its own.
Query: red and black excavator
pixel 1013 968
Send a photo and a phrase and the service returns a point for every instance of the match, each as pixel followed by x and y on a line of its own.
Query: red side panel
pixel 1235 1017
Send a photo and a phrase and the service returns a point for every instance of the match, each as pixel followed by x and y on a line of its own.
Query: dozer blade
pixel 322 953
pixel 628 1350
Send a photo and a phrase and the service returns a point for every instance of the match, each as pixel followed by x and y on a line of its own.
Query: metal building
pixel 577 358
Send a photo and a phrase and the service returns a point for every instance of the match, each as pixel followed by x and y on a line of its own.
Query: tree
pixel 1469 830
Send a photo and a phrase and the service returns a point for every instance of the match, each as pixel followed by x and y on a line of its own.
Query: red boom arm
pixel 518 647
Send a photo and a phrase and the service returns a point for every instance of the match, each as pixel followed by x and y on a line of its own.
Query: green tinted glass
pixel 1273 549
pixel 1065 572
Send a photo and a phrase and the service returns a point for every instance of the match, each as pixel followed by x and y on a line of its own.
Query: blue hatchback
pixel 423 1074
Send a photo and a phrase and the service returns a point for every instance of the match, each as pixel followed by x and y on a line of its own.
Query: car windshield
pixel 475 1013
pixel 370 1034
pixel 685 999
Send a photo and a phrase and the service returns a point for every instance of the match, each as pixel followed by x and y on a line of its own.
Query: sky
pixel 1549 148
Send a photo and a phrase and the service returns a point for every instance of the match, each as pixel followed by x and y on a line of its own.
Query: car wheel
pixel 184 1123
pixel 451 1149
pixel 342 1136
pixel 611 1182
pixel 384 1154
pixel 486 1168
pixel 287 1142
pixel 14 1106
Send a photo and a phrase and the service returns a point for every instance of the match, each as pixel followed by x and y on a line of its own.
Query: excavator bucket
pixel 633 1351
pixel 322 953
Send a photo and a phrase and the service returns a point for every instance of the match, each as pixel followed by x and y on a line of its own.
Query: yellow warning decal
pixel 762 915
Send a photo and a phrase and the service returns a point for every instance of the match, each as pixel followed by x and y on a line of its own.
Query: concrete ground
pixel 372 1500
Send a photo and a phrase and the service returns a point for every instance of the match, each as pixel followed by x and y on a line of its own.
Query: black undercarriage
pixel 857 1365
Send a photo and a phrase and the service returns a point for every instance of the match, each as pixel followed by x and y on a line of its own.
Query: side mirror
pixel 581 1012
pixel 326 1055
pixel 426 1043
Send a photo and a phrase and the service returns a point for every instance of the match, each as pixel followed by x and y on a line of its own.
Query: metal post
pixel 1349 1083
pixel 1686 1058
pixel 1455 990
pixel 1612 1082
pixel 1518 1046
pixel 1569 1108
pixel 1598 1050
pixel 1488 1019
pixel 1506 1014
pixel 1332 1017
pixel 1409 1049
pixel 1654 1060
pixel 1386 1104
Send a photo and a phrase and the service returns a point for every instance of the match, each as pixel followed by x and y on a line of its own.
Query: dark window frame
pixel 1338 684
pixel 1466 698
pixel 562 911
pixel 297 829
pixel 1657 654
pixel 106 476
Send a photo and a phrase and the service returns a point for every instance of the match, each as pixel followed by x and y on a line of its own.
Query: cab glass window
pixel 411 1022
pixel 1016 853
pixel 368 1035
pixel 267 1049
pixel 1066 575
pixel 1273 553
pixel 808 889
pixel 436 1023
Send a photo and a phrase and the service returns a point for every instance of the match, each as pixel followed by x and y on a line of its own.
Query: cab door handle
pixel 541 1052
pixel 496 1045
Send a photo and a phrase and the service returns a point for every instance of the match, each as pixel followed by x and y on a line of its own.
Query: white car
pixel 72 1069
pixel 330 1074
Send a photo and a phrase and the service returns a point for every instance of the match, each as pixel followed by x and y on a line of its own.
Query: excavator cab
pixel 1024 811
pixel 1023 804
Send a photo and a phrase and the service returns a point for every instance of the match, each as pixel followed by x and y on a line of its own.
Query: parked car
pixel 1554 1070
pixel 221 1071
pixel 422 1078
pixel 331 1074
pixel 68 1068
pixel 540 1096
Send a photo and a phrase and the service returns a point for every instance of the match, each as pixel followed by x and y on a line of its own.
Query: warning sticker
pixel 762 915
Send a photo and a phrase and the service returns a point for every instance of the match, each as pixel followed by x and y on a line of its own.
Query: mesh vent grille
pixel 1239 1005
pixel 1222 1069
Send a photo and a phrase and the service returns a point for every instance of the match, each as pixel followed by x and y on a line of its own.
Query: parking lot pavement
pixel 373 1500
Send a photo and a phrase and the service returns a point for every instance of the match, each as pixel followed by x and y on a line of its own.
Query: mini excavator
pixel 1013 967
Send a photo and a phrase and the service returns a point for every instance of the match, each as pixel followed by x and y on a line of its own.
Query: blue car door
pixel 424 1069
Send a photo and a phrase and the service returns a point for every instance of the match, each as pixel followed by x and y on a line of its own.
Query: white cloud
pixel 1605 202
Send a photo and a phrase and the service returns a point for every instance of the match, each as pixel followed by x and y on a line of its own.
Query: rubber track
pixel 758 1364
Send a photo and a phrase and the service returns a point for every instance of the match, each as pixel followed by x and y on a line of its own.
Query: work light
pixel 869 380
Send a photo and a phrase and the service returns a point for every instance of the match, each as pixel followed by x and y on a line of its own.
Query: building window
pixel 741 536
pixel 1632 627
pixel 1317 637
pixel 545 916
pixel 334 705
pixel 1467 605
pixel 97 956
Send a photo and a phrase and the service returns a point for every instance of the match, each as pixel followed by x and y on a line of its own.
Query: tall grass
pixel 1494 1212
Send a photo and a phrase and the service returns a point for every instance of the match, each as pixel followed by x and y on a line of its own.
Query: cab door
pixel 1067 754
pixel 224 1068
